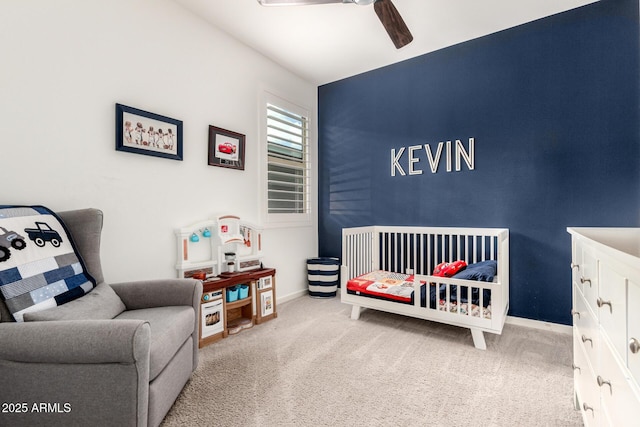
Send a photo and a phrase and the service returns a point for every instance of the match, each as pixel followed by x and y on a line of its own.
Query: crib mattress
pixel 398 287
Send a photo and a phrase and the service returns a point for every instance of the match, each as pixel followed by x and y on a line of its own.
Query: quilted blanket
pixel 39 265
pixel 383 284
pixel 399 287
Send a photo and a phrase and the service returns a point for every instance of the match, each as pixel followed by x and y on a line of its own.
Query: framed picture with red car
pixel 226 148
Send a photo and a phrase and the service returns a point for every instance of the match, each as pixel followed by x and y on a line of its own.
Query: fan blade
pixel 295 2
pixel 393 23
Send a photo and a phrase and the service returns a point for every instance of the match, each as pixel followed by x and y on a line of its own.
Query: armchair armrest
pixel 88 368
pixel 164 292
pixel 159 293
pixel 71 342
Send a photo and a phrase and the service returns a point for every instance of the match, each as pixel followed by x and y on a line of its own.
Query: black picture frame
pixel 226 148
pixel 142 132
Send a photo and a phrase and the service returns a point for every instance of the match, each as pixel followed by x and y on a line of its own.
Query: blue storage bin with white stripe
pixel 323 276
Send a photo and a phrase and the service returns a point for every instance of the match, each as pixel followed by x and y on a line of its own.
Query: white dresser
pixel 606 324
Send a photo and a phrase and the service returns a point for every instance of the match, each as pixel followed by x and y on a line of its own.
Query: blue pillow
pixel 483 271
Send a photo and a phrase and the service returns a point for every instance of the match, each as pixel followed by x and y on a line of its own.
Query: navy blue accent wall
pixel 553 106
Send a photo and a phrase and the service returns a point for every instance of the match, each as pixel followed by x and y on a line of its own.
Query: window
pixel 288 166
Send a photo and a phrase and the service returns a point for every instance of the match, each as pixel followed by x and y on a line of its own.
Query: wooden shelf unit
pixel 247 309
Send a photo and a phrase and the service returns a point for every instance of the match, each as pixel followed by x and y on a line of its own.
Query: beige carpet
pixel 313 366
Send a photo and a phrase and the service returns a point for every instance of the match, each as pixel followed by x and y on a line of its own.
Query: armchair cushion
pixel 101 303
pixel 39 265
pixel 171 327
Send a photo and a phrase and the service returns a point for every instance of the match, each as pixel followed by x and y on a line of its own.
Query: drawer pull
pixel 574 312
pixel 583 281
pixel 602 382
pixel 586 408
pixel 634 345
pixel 601 302
pixel 585 339
pixel 574 367
pixel 575 266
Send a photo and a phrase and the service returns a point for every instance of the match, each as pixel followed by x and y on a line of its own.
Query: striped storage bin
pixel 323 276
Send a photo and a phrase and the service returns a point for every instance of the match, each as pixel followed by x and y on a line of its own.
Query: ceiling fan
pixel 386 11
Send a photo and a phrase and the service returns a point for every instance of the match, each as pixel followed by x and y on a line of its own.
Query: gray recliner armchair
pixel 126 371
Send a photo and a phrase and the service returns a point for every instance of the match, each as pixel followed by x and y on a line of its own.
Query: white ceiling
pixel 325 43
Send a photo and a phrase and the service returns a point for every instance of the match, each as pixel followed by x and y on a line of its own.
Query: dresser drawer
pixel 612 306
pixel 583 317
pixel 584 380
pixel 633 341
pixel 576 262
pixel 586 330
pixel 582 371
pixel 589 278
pixel 619 401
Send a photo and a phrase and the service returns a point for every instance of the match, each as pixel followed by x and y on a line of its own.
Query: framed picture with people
pixel 142 132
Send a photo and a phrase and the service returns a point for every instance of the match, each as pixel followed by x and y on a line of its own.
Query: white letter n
pixel 469 157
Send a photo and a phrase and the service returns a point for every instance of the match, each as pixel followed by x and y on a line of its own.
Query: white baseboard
pixel 292 296
pixel 518 321
pixel 537 324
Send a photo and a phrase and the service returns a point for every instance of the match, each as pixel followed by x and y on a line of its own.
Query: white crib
pixel 417 250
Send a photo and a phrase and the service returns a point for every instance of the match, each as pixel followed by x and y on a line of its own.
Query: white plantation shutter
pixel 288 166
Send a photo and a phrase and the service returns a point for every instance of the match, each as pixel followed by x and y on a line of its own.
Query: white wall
pixel 66 63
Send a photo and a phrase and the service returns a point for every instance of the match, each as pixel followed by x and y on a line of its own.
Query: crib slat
pixel 447 296
pixel 397 253
pixel 423 254
pixel 467 245
pixel 476 247
pixel 350 261
pixel 361 261
pixel 378 246
pixel 401 250
pixel 429 262
pixel 424 241
pixel 388 252
pixel 362 264
pixel 358 242
pixel 400 253
pixel 493 248
pixel 391 251
pixel 371 248
pixel 353 255
pixel 383 251
pixel 388 256
pixel 484 248
pixel 373 260
pixel 366 240
pixel 416 257
pixel 355 242
pixel 407 249
pixel 348 255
